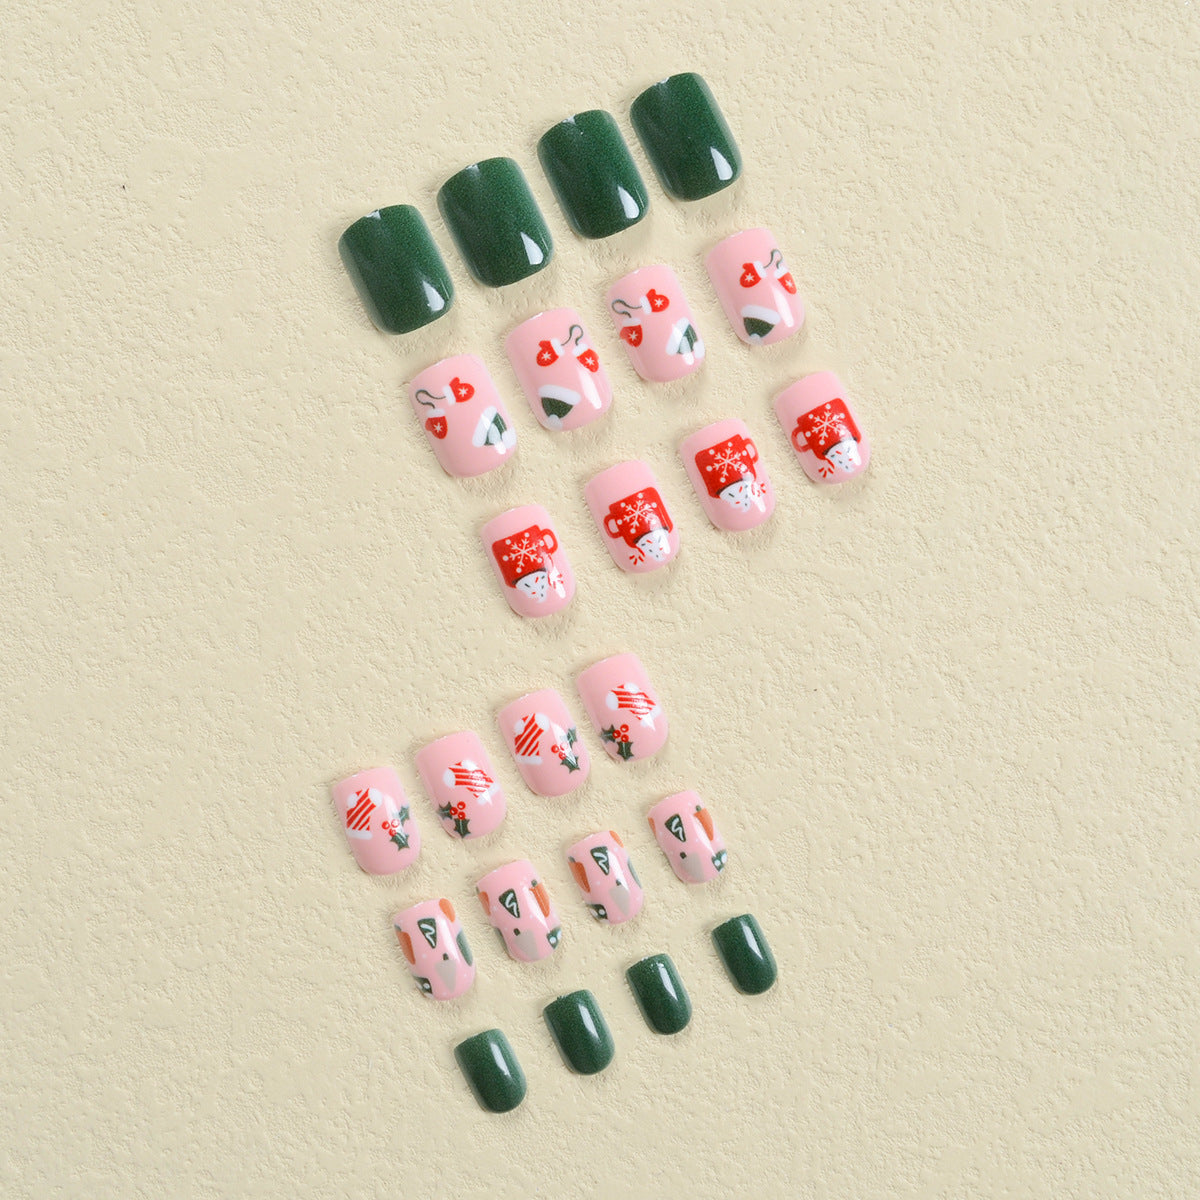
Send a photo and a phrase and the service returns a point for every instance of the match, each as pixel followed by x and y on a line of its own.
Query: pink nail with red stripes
pixel 436 948
pixel 755 287
pixel 544 742
pixel 383 837
pixel 723 464
pixel 688 836
pixel 559 371
pixel 468 426
pixel 529 561
pixel 610 886
pixel 460 781
pixel 628 506
pixel 825 433
pixel 655 323
pixel 623 707
pixel 517 904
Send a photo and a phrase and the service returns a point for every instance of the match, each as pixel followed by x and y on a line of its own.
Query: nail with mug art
pixel 559 371
pixel 687 835
pixel 543 739
pixel 824 430
pixel 491 1069
pixel 383 836
pixel 655 323
pixel 435 946
pixel 623 707
pixel 628 507
pixel 723 463
pixel 529 561
pixel 517 904
pixel 610 886
pixel 755 287
pixel 461 782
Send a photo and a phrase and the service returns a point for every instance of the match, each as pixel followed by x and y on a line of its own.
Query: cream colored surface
pixel 947 717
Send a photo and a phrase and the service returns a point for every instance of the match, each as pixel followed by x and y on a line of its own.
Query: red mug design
pixel 830 432
pixel 641 521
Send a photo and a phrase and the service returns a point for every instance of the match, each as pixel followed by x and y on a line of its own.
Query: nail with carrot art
pixel 688 836
pixel 516 902
pixel 435 948
pixel 606 878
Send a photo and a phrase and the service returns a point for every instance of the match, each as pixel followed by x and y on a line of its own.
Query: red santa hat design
pixel 822 428
pixel 727 463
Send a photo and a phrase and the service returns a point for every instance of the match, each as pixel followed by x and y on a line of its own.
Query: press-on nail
pixel 517 904
pixel 660 993
pixel 623 707
pixel 745 953
pixel 606 878
pixel 461 782
pixel 688 836
pixel 529 561
pixel 490 1067
pixel 654 321
pixel 435 946
pixel 383 837
pixel 544 741
pixel 626 504
pixel 731 482
pixel 825 433
pixel 755 287
pixel 580 1031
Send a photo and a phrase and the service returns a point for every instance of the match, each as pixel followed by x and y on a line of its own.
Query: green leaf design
pixel 444 811
pixel 572 736
pixel 625 750
pixel 609 734
pixel 403 817
pixel 462 826
pixel 570 762
pixel 401 840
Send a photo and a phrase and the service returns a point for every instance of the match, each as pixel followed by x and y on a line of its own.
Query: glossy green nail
pixel 686 137
pixel 581 1032
pixel 746 955
pixel 491 1068
pixel 594 178
pixel 396 269
pixel 495 222
pixel 660 993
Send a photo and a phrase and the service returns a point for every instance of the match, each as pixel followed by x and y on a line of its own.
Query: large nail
pixel 723 464
pixel 383 837
pixel 461 782
pixel 489 1065
pixel 686 137
pixel 623 706
pixel 466 421
pixel 559 371
pixel 495 222
pixel 435 946
pixel 544 742
pixel 517 904
pixel 610 886
pixel 628 507
pixel 655 323
pixel 660 993
pixel 687 835
pixel 746 955
pixel 529 561
pixel 755 287
pixel 396 269
pixel 580 1031
pixel 825 433
pixel 594 178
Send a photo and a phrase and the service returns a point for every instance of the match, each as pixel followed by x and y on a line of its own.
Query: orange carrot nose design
pixel 487 908
pixel 406 945
pixel 541 896
pixel 612 834
pixel 447 908
pixel 650 822
pixel 705 820
pixel 580 876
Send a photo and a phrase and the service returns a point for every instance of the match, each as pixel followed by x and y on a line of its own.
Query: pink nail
pixel 516 903
pixel 755 288
pixel 655 323
pixel 435 946
pixel 723 464
pixel 825 433
pixel 529 561
pixel 383 837
pixel 558 370
pixel 544 743
pixel 610 886
pixel 687 836
pixel 466 421
pixel 460 781
pixel 623 707
pixel 628 507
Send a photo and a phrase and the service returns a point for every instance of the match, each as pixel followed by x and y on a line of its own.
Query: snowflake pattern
pixel 639 512
pixel 825 424
pixel 730 461
pixel 526 553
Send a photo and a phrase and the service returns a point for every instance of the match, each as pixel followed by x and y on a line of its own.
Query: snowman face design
pixel 655 544
pixel 844 456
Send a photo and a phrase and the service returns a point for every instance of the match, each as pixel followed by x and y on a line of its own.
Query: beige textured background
pixel 946 715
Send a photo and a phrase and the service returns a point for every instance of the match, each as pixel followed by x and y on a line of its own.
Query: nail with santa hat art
pixel 529 561
pixel 824 431
pixel 723 464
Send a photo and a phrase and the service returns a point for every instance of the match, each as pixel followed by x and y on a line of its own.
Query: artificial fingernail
pixel 686 137
pixel 686 834
pixel 490 1067
pixel 383 837
pixel 628 507
pixel 593 177
pixel 825 433
pixel 396 269
pixel 731 482
pixel 655 323
pixel 660 993
pixel 559 371
pixel 606 878
pixel 623 707
pixel 580 1031
pixel 755 288
pixel 495 222
pixel 517 904
pixel 460 780
pixel 435 946
pixel 746 955
pixel 529 561
pixel 544 743
pixel 466 421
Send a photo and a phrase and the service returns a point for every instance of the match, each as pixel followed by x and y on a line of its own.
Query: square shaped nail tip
pixel 628 507
pixel 377 820
pixel 491 1070
pixel 654 321
pixel 461 784
pixel 824 429
pixel 435 946
pixel 528 561
pixel 660 993
pixel 747 957
pixel 544 741
pixel 755 287
pixel 722 461
pixel 580 1032
pixel 624 707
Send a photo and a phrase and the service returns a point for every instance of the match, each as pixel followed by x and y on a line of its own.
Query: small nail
pixel 623 707
pixel 660 993
pixel 460 780
pixel 746 955
pixel 654 321
pixel 379 827
pixel 396 269
pixel 731 482
pixel 687 835
pixel 489 1065
pixel 517 904
pixel 529 561
pixel 755 287
pixel 825 432
pixel 544 741
pixel 606 878
pixel 627 505
pixel 435 946
pixel 579 1029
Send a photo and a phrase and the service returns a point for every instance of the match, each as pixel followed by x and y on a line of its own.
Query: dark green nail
pixel 397 269
pixel 686 137
pixel 492 1070
pixel 660 993
pixel 495 222
pixel 580 1030
pixel 595 180
pixel 746 955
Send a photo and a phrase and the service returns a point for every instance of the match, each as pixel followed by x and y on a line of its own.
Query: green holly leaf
pixel 570 762
pixel 609 734
pixel 462 826
pixel 572 736
pixel 625 750
pixel 403 818
pixel 400 839
pixel 444 811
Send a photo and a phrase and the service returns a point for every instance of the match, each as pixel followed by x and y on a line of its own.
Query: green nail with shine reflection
pixel 581 1032
pixel 491 1068
pixel 660 993
pixel 746 955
